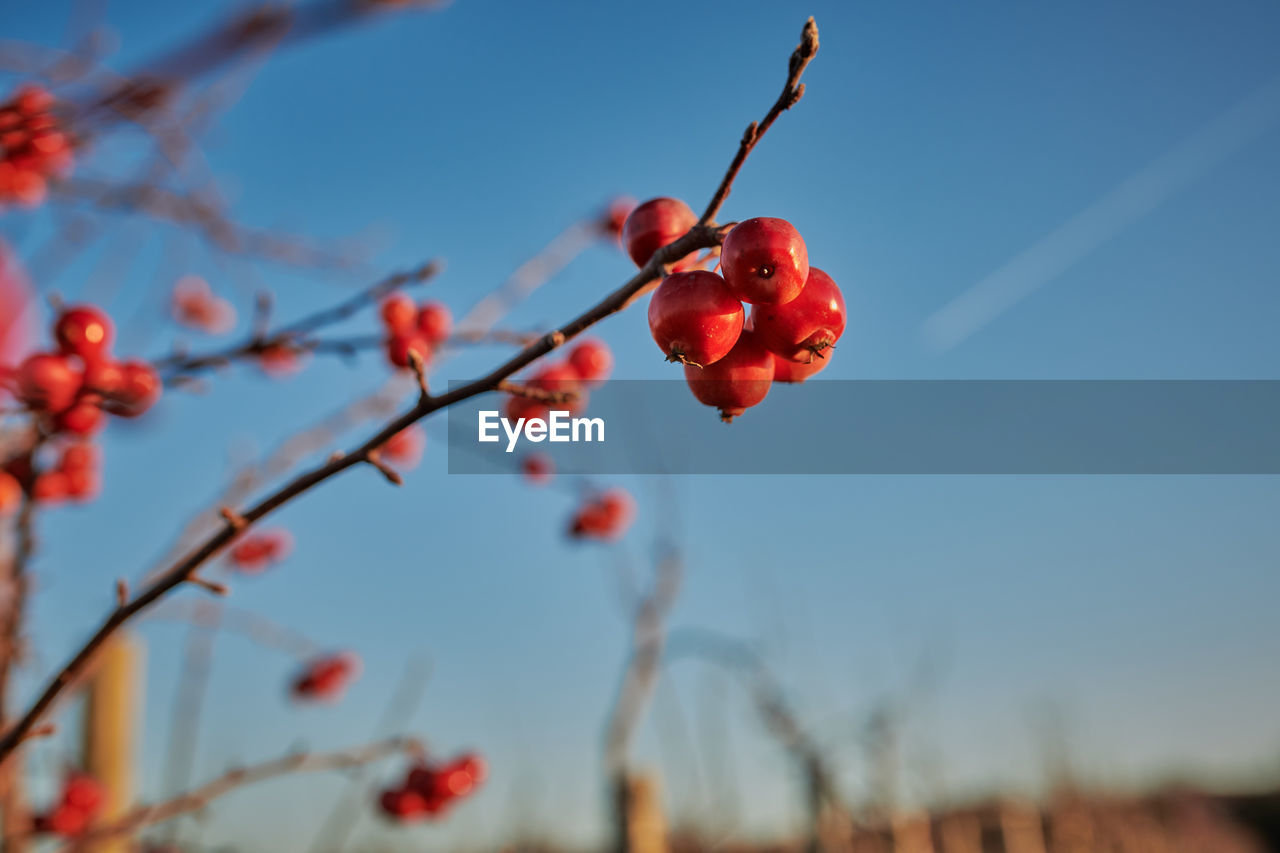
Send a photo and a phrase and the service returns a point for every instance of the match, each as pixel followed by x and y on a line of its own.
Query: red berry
pixel 84 418
pixel 48 382
pixel 606 516
pixel 554 377
pixel 196 306
pixel 51 487
pixel 279 360
pixel 694 318
pixel 104 377
pixel 257 551
pixel 615 216
pixel 84 331
pixel 10 494
pixel 139 389
pixel 403 804
pixel 79 457
pixel 398 313
pixel 398 347
pixel 538 468
pixel 435 323
pixel 805 326
pixel 736 382
pixel 654 224
pixel 405 447
pixel 592 360
pixel 32 99
pixel 326 678
pixel 764 261
pixel 786 370
pixel 81 791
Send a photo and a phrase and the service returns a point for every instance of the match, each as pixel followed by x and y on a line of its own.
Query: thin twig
pixel 199 798
pixel 701 236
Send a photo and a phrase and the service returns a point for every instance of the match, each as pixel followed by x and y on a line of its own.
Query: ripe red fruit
pixel 802 328
pixel 257 551
pixel 279 360
pixel 139 388
pixel 79 457
pixel 435 323
pixel 398 313
pixel 592 360
pixel 405 447
pixel 786 370
pixel 654 224
pixel 195 306
pixel 398 347
pixel 103 377
pixel 736 382
pixel 84 331
pixel 84 418
pixel 764 261
pixel 10 494
pixel 48 383
pixel 694 318
pixel 538 468
pixel 605 516
pixel 326 678
pixel 51 487
pixel 615 216
pixel 554 377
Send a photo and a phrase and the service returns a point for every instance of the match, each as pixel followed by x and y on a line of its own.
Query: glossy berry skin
pixel 592 360
pixel 103 377
pixel 654 224
pixel 48 383
pixel 435 323
pixel 786 370
pixel 807 325
pixel 398 313
pixel 694 318
pixel 764 261
pixel 83 419
pixel 736 382
pixel 84 331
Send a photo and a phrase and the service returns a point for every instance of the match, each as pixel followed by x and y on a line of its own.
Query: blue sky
pixel 935 143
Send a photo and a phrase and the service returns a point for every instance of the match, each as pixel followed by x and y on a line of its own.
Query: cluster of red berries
pixel 32 147
pixel 77 476
pixel 196 307
pixel 71 388
pixel 260 550
pixel 326 678
pixel 588 364
pixel 604 516
pixel 412 327
pixel 429 789
pixel 78 804
pixel 697 317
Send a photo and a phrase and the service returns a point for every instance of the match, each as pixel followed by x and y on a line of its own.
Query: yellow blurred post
pixel 110 729
pixel 642 826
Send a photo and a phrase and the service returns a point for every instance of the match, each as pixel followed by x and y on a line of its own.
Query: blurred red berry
pixel 398 347
pixel 84 331
pixel 605 516
pixel 326 678
pixel 404 449
pixel 140 387
pixel 398 313
pixel 592 360
pixel 195 306
pixel 48 382
pixel 84 419
pixel 259 550
pixel 435 323
pixel 537 468
pixel 10 494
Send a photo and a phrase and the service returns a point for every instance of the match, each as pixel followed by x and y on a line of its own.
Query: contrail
pixel 1124 205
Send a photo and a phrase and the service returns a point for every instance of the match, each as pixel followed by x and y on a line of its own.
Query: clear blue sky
pixel 936 142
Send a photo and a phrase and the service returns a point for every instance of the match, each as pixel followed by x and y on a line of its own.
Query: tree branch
pixel 199 798
pixel 701 236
